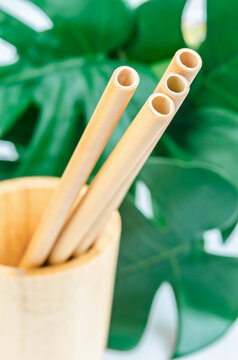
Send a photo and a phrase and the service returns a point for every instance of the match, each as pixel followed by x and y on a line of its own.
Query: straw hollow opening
pixel 161 104
pixel 176 84
pixel 127 77
pixel 189 59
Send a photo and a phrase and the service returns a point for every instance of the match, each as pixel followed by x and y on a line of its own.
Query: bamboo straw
pixel 177 88
pixel 113 204
pixel 143 131
pixel 113 102
pixel 186 62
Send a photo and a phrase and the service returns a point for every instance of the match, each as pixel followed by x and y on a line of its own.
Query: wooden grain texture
pixel 112 104
pixel 143 131
pixel 57 312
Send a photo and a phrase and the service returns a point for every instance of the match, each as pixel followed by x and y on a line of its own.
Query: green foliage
pixel 150 44
pixel 210 134
pixel 46 100
pixel 167 247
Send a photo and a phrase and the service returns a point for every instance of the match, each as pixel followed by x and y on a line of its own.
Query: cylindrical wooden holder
pixel 55 312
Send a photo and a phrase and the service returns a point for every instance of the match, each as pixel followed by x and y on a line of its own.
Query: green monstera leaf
pixel 61 74
pixel 46 99
pixel 209 123
pixel 153 18
pixel 187 199
pixel 212 139
pixel 79 28
pixel 65 96
pixel 220 53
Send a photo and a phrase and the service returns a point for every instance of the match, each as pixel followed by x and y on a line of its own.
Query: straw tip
pixel 161 105
pixel 126 77
pixel 189 59
pixel 176 84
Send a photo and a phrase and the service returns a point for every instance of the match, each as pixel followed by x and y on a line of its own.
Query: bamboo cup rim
pixel 109 235
pixel 188 59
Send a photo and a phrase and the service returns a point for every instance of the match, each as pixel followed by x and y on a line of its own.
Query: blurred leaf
pixel 56 126
pixel 40 44
pixel 89 26
pixel 222 27
pixel 207 299
pixel 64 92
pixel 158 30
pixel 7 169
pixel 210 135
pixel 160 67
pixel 14 100
pixel 153 252
pixel 220 55
pixel 227 232
pixel 205 128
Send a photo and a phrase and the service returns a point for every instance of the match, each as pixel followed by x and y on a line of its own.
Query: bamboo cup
pixel 154 115
pixel 114 100
pixel 185 62
pixel 58 312
pixel 177 88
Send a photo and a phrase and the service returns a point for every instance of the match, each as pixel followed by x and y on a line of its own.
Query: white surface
pixel 8 53
pixel 8 151
pixel 195 12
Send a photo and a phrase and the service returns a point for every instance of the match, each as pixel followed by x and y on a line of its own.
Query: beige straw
pixel 185 62
pixel 175 83
pixel 113 204
pixel 177 88
pixel 113 102
pixel 143 131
